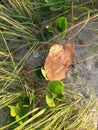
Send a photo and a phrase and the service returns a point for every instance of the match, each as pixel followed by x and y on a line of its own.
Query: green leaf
pixel 23 111
pixel 75 18
pixel 60 97
pixel 55 87
pixel 37 72
pixel 50 100
pixel 12 119
pixel 18 118
pixel 44 73
pixel 26 106
pixel 14 110
pixel 50 29
pixel 61 24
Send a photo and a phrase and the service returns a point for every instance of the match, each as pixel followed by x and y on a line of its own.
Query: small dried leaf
pixel 58 60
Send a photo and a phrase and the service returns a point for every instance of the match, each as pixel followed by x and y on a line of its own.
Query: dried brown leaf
pixel 58 60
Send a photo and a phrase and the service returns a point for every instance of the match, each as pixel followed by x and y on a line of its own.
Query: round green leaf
pixel 55 87
pixel 50 100
pixel 61 24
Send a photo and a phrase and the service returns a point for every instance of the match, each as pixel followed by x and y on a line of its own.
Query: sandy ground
pixel 86 60
pixel 87 56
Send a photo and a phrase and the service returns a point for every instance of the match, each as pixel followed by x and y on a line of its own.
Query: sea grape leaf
pixel 55 87
pixel 61 24
pixel 37 72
